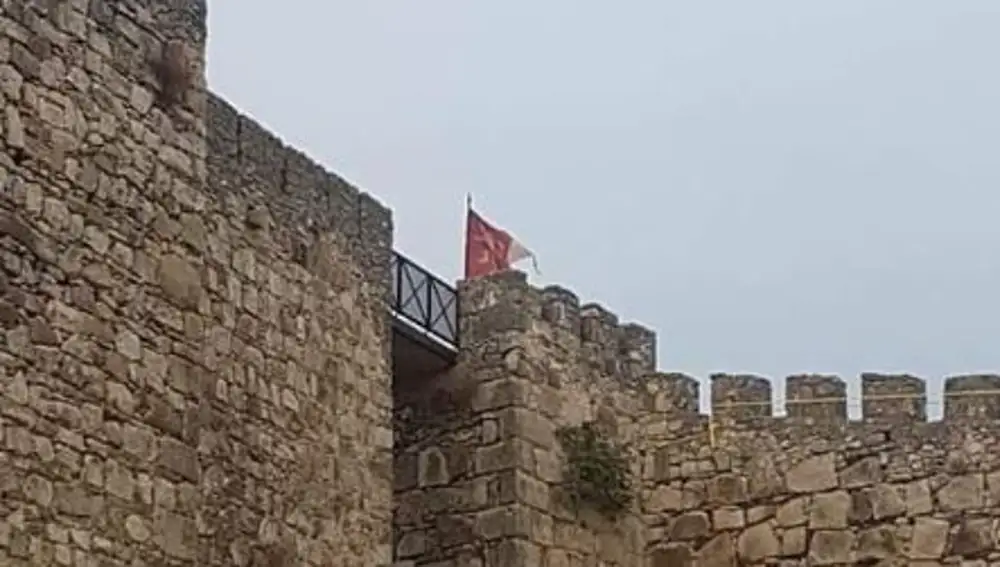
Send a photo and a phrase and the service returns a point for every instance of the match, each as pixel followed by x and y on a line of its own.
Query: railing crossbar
pixel 424 300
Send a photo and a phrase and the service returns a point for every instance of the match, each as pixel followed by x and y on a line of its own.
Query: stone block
pixel 878 543
pixel 728 519
pixel 962 493
pixel 758 543
pixel 672 555
pixel 829 511
pixel 720 551
pixel 689 526
pixel 179 460
pixel 793 512
pixel 432 468
pixel 831 547
pixel 814 474
pixel 672 392
pixel 815 398
pixel 865 472
pixel 918 498
pixel 741 396
pixel 727 489
pixel 930 536
pixel 890 399
pixel 794 542
pixel 561 307
pixel 974 538
pixel 972 397
pixel 664 499
pixel 886 502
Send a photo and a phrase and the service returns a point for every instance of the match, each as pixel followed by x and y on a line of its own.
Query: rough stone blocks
pixel 181 384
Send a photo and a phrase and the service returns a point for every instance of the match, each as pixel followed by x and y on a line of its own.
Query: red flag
pixel 489 250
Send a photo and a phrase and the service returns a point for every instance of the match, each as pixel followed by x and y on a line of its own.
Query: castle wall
pixel 451 480
pixel 458 459
pixel 195 364
pixel 531 362
pixel 814 488
pixel 195 345
pixel 742 487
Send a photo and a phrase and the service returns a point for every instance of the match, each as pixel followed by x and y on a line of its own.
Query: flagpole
pixel 468 215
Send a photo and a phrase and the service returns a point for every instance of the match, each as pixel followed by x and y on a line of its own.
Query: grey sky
pixel 774 186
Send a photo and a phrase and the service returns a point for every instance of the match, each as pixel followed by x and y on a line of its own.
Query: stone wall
pixel 814 488
pixel 195 357
pixel 743 487
pixel 479 467
pixel 195 342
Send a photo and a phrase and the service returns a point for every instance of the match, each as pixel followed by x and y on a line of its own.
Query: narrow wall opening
pixel 430 458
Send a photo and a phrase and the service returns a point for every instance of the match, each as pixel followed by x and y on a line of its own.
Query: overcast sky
pixel 774 186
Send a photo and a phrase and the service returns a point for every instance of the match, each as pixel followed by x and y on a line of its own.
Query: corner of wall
pixel 560 363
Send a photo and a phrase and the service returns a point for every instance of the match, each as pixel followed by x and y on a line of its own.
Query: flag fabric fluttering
pixel 489 249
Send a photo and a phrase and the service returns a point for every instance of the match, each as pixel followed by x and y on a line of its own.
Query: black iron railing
pixel 424 300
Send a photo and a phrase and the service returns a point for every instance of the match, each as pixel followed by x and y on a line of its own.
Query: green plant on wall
pixel 596 472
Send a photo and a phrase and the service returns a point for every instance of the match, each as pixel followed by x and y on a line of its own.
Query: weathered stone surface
pixel 758 543
pixel 760 513
pixel 886 502
pixel 665 498
pixel 792 513
pixel 672 555
pixel 973 538
pixel 878 543
pixel 199 367
pixel 962 493
pixel 930 535
pixel 136 528
pixel 691 525
pixel 719 551
pixel 177 389
pixel 993 488
pixel 829 511
pixel 794 542
pixel 865 472
pixel 727 489
pixel 763 475
pixel 815 474
pixel 831 547
pixel 918 498
pixel 869 494
pixel 180 460
pixel 179 281
pixel 432 468
pixel 728 519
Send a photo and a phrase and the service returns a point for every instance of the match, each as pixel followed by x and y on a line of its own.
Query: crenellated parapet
pixel 616 349
pixel 741 396
pixel 799 457
pixel 816 398
pixel 808 486
pixel 886 399
pixel 589 333
pixel 893 398
pixel 537 361
pixel 621 357
pixel 972 397
pixel 672 393
pixel 280 192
